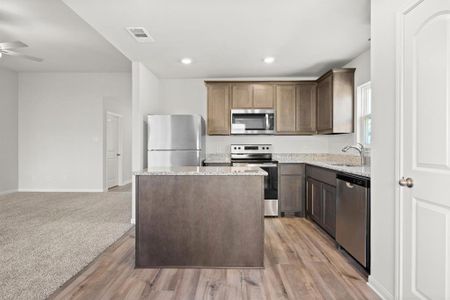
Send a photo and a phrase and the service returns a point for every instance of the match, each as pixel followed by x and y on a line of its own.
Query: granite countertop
pixel 337 162
pixel 356 170
pixel 208 171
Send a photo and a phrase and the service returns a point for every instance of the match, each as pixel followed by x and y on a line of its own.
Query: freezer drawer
pixel 174 158
pixel 352 218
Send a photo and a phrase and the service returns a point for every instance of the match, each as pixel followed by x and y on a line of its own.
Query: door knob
pixel 118 154
pixel 408 182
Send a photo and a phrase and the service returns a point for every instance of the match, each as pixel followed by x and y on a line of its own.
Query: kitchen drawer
pixel 321 174
pixel 292 169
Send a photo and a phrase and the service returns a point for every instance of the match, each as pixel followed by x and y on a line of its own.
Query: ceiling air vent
pixel 140 34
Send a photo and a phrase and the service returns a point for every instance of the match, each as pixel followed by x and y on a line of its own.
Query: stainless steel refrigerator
pixel 175 140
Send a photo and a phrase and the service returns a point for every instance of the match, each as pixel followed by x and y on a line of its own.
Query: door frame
pixel 120 149
pixel 399 105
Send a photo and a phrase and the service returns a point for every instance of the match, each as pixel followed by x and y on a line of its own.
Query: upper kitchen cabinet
pixel 248 95
pixel 296 108
pixel 335 98
pixel 241 95
pixel 285 109
pixel 218 109
pixel 263 95
pixel 305 108
pixel 324 106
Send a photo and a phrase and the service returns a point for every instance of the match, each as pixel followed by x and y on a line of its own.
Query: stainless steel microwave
pixel 252 121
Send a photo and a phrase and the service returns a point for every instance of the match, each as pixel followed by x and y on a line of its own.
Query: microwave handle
pixel 267 122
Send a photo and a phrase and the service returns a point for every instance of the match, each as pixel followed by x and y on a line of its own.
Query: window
pixel 364 117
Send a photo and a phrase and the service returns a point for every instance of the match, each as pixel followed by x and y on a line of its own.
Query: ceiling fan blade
pixel 12 45
pixel 17 54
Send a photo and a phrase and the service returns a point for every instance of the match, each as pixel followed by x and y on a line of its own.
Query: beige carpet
pixel 46 238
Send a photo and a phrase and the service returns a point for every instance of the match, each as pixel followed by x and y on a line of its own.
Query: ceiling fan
pixel 9 48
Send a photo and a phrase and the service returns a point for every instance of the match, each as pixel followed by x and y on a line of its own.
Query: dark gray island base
pixel 205 217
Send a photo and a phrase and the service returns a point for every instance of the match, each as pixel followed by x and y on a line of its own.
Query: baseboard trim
pixel 7 192
pixel 379 289
pixel 63 190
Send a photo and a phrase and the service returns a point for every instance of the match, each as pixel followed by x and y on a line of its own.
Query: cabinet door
pixel 325 105
pixel 314 200
pixel 263 95
pixel 241 95
pixel 305 121
pixel 329 208
pixel 218 109
pixel 285 95
pixel 292 193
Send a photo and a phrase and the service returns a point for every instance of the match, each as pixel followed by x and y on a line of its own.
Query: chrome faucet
pixel 358 147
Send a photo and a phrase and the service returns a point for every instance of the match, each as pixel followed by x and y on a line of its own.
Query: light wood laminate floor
pixel 301 262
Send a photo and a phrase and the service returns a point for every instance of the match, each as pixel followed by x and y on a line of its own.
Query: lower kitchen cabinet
pixel 314 200
pixel 321 200
pixel 314 196
pixel 292 189
pixel 329 208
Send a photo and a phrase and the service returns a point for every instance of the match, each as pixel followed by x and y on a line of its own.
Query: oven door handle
pixel 254 165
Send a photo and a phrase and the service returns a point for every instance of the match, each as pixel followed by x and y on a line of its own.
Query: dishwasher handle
pixel 351 180
pixel 349 185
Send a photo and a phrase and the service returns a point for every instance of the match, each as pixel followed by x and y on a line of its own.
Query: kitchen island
pixel 200 217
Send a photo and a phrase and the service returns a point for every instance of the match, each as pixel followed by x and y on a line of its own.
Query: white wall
pixel 383 149
pixel 61 120
pixel 362 75
pixel 8 131
pixel 145 96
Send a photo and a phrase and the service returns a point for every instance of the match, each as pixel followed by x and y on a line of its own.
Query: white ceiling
pixel 229 38
pixel 55 33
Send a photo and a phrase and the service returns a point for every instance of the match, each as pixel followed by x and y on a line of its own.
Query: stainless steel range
pixel 260 155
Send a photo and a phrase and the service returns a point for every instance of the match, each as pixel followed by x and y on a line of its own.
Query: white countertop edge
pixel 202 171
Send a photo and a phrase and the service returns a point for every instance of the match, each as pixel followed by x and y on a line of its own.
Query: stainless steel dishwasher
pixel 353 217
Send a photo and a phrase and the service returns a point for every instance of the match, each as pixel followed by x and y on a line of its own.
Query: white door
pixel 112 150
pixel 424 153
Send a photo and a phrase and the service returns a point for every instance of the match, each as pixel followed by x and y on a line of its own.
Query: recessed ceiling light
pixel 186 61
pixel 269 60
